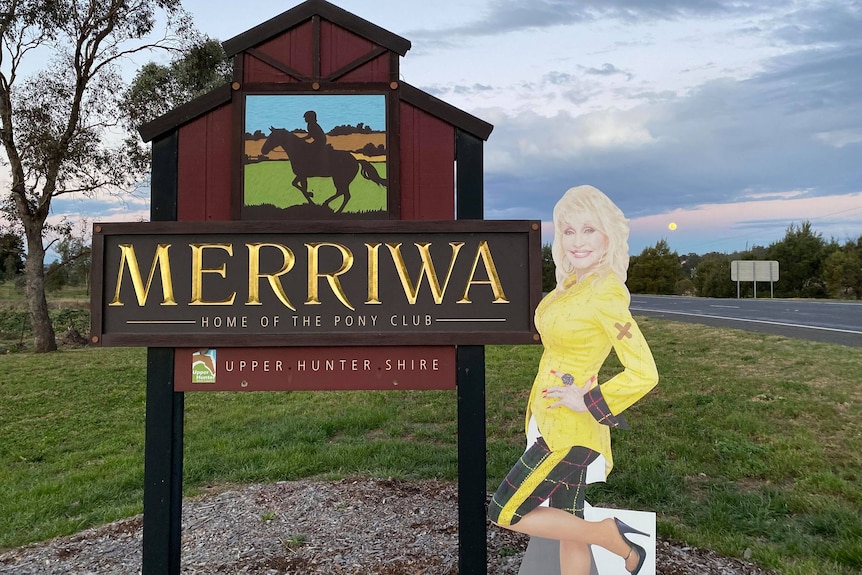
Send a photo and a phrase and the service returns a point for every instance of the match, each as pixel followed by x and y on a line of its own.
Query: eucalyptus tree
pixel 842 270
pixel 549 270
pixel 712 277
pixel 158 88
pixel 60 115
pixel 11 256
pixel 656 270
pixel 800 256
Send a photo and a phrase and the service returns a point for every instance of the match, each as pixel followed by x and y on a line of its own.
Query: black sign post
pixel 472 455
pixel 163 447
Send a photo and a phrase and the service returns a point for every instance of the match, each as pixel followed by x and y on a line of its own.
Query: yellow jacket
pixel 579 325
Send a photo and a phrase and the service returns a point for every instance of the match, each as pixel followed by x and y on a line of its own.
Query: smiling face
pixel 584 246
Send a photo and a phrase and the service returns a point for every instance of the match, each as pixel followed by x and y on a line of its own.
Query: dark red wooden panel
pixel 294 48
pixel 376 70
pixel 219 153
pixel 427 166
pixel 191 179
pixel 203 171
pixel 339 47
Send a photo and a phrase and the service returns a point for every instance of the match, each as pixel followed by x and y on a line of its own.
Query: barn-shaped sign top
pixel 316 75
pixel 292 189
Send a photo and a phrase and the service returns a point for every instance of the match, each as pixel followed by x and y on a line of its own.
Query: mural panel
pixel 315 157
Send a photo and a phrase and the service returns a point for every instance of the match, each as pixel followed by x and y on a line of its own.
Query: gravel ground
pixel 349 527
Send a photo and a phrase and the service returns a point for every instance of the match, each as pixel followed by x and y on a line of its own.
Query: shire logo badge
pixel 204 366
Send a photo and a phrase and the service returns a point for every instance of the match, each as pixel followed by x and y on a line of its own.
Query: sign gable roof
pixel 290 19
pixel 305 11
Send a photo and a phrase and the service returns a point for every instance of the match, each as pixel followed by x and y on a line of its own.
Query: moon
pixel 671 226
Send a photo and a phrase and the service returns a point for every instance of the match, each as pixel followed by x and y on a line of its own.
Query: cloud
pixel 463 90
pixel 727 228
pixel 794 125
pixel 540 140
pixel 104 205
pixel 556 78
pixel 607 70
pixel 753 195
pixel 694 138
pixel 840 138
pixel 827 23
pixel 778 125
pixel 506 16
pixel 789 122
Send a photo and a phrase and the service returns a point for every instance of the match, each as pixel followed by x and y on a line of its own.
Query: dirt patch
pixel 348 527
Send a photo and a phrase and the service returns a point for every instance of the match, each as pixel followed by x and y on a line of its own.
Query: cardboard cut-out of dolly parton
pixel 570 412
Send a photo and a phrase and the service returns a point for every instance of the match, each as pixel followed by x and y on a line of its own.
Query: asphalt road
pixel 827 320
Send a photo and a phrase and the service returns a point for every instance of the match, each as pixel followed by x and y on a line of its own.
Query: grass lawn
pixel 751 442
pixel 68 308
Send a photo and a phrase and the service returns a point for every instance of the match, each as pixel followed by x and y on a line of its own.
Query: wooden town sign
pixel 232 284
pixel 316 223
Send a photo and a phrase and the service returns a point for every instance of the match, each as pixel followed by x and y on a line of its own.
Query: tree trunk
pixel 40 322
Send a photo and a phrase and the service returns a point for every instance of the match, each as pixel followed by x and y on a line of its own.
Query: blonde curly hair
pixel 590 203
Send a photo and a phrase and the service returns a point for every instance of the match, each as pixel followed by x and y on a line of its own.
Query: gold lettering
pixel 373 274
pixel 198 270
pixel 254 274
pixel 160 258
pixel 493 277
pixel 331 278
pixel 411 290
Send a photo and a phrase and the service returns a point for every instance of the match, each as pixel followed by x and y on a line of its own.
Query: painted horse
pixel 307 161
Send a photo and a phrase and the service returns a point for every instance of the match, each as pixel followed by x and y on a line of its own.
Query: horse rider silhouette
pixel 308 162
pixel 315 132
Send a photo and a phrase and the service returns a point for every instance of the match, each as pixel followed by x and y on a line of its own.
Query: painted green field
pixel 270 183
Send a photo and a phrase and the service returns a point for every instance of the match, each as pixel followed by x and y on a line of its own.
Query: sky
pixel 732 119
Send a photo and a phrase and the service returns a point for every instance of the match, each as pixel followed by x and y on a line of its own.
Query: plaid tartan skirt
pixel 541 474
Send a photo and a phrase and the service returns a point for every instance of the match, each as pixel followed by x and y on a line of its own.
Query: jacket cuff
pixel 599 409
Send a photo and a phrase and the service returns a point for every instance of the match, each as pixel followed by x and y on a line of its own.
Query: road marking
pixel 796 325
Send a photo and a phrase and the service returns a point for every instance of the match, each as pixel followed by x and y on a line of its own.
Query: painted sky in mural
pixel 263 111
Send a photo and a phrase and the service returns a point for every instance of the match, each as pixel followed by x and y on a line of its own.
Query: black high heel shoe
pixel 623 529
